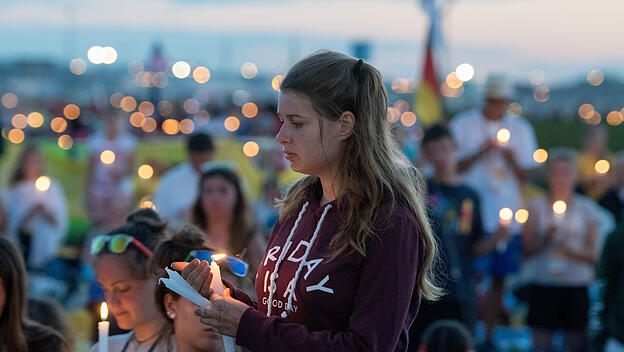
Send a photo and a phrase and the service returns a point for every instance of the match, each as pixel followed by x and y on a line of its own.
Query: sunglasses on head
pixel 118 244
pixel 236 265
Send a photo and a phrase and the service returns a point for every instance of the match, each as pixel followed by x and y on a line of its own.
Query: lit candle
pixel 503 136
pixel 103 329
pixel 217 287
pixel 505 215
pixel 559 210
pixel 42 183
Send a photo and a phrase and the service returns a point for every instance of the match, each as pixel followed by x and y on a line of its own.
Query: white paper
pixel 177 284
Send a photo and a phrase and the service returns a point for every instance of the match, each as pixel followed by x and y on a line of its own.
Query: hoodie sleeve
pixel 385 303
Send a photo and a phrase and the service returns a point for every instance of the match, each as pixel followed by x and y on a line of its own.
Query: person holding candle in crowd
pixel 590 182
pixel 613 199
pixel 17 332
pixel 457 222
pixel 189 334
pixel 222 211
pixel 121 269
pixel 176 191
pixel 352 253
pixel 495 151
pixel 36 208
pixel 561 244
pixel 109 185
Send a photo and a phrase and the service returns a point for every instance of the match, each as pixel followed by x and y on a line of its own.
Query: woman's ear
pixel 347 123
pixel 171 305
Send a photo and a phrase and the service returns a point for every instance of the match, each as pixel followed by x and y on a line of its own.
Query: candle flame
pixel 104 311
pixel 217 257
pixel 506 214
pixel 43 183
pixel 522 216
pixel 559 207
pixel 503 135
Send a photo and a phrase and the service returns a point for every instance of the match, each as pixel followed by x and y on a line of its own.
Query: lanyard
pixel 132 336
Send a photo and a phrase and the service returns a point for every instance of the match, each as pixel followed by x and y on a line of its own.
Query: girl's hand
pixel 223 313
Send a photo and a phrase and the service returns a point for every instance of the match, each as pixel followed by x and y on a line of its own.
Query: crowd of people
pixel 367 252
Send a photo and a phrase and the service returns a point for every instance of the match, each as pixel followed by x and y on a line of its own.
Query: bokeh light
pixel 521 216
pixel 615 118
pixel 595 77
pixel 503 136
pixel 110 55
pixel 595 119
pixel 58 124
pixel 96 54
pixel 276 82
pixel 171 126
pixel 16 136
pixel 400 85
pixel 146 108
pixel 71 111
pixel 536 77
pixel 453 82
pixel 43 183
pixel 201 74
pixel 251 149
pixel 559 207
pixel 78 66
pixel 35 119
pixel 408 119
pixel 505 214
pixel 149 125
pixel 137 119
pixel 465 72
pixel 191 106
pixel 540 156
pixel 65 142
pixel 9 100
pixel 128 104
pixel 514 109
pixel 181 69
pixel 232 123
pixel 393 114
pixel 187 126
pixel 19 121
pixel 249 70
pixel 165 108
pixel 249 110
pixel 586 111
pixel 602 166
pixel 115 100
pixel 145 171
pixel 541 94
pixel 202 117
pixel 107 157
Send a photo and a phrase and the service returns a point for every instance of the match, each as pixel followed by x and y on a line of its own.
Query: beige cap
pixel 498 87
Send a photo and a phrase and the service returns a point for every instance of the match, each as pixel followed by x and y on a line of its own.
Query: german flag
pixel 427 100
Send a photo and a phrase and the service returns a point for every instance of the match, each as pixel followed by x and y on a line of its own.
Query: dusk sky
pixel 564 38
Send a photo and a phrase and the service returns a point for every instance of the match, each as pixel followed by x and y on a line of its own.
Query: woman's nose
pixel 282 135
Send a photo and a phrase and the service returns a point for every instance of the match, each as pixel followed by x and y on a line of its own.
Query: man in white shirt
pixel 178 188
pixel 495 153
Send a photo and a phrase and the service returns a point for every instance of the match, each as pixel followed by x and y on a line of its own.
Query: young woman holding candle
pixel 352 253
pixel 222 211
pixel 17 332
pixel 36 211
pixel 121 269
pixel 188 333
pixel 561 245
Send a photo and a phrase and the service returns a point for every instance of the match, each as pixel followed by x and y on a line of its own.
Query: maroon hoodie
pixel 351 303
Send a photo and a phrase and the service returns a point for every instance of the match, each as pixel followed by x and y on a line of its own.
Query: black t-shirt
pixel 456 220
pixel 613 202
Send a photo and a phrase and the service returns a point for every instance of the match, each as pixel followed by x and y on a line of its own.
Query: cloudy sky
pixel 564 38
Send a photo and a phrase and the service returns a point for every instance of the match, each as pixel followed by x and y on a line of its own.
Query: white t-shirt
pixel 105 177
pixel 176 193
pixel 491 176
pixel 46 237
pixel 549 267
pixel 116 343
